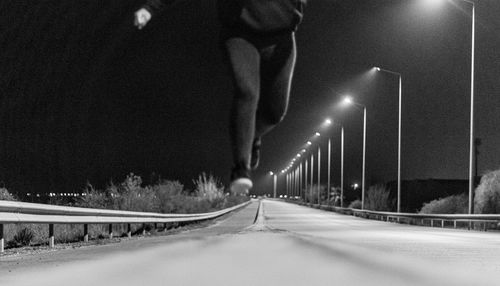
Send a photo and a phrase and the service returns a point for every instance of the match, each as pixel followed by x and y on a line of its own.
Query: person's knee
pixel 247 93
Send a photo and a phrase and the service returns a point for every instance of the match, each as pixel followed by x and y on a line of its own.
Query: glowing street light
pixel 399 133
pixel 317 134
pixel 348 101
pixel 329 158
pixel 328 121
pixel 471 129
pixel 471 143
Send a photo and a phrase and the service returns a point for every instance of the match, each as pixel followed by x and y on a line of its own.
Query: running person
pixel 258 37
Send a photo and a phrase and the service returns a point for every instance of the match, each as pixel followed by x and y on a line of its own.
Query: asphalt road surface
pixel 288 245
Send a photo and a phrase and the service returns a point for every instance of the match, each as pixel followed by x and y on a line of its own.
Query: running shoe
pixel 240 181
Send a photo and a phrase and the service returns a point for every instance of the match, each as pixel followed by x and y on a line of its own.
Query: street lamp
pixel 399 132
pixel 471 143
pixel 341 163
pixel 342 168
pixel 275 182
pixel 348 101
pixel 471 129
pixel 319 175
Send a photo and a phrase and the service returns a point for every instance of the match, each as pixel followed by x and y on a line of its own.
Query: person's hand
pixel 141 18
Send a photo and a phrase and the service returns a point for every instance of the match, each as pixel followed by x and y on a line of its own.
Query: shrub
pixel 355 204
pixel 335 193
pixel 456 204
pixel 312 194
pixel 487 194
pixel 23 237
pixel 166 193
pixel 163 197
pixel 5 195
pixel 93 199
pixel 377 199
pixel 209 188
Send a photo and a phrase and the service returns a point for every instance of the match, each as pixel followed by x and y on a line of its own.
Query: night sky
pixel 87 97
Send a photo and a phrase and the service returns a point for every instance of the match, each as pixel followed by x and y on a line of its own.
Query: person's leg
pixel 276 76
pixel 244 60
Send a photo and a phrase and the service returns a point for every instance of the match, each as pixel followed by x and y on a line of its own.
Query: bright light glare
pixel 377 68
pixel 271 173
pixel 317 134
pixel 328 121
pixel 432 3
pixel 309 143
pixel 347 100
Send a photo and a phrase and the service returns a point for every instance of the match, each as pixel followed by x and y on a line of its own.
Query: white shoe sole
pixel 241 186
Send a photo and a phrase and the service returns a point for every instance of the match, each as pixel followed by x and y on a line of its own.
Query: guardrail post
pixel 1 239
pixel 442 223
pixel 454 224
pixel 144 229
pixel 110 231
pixel 51 236
pixel 432 223
pixel 129 231
pixel 85 233
pixel 165 227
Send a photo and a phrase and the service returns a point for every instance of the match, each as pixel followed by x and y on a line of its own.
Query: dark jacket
pixel 257 15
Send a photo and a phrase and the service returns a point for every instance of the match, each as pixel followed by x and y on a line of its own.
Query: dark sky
pixel 85 96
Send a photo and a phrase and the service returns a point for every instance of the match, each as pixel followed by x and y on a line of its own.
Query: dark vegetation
pixel 131 195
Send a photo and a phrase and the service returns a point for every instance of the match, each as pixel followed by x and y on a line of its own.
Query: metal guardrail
pixel 486 221
pixel 19 212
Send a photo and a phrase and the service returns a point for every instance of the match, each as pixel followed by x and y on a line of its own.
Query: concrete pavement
pixel 291 245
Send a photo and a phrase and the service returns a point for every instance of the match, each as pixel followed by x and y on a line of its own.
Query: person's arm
pixel 148 10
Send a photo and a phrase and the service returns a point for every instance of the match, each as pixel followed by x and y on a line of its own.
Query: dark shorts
pixel 259 39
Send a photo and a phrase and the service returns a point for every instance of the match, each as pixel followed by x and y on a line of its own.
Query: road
pixel 288 245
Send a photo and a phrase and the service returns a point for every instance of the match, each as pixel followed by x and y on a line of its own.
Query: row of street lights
pixel 348 100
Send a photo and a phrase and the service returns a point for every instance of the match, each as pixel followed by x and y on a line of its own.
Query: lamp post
pixel 319 175
pixel 275 182
pixel 342 168
pixel 287 184
pixel 471 129
pixel 305 180
pixel 328 122
pixel 399 132
pixel 312 175
pixel 329 174
pixel 275 185
pixel 300 180
pixel 471 143
pixel 349 101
